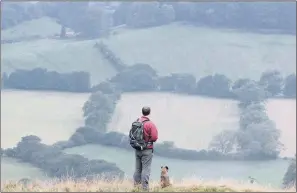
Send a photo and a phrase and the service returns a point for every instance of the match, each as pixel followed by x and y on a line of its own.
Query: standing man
pixel 142 135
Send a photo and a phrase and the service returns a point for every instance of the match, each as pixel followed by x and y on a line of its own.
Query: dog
pixel 164 179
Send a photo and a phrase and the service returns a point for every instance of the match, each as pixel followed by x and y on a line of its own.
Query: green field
pixel 170 48
pixel 266 172
pixel 12 169
pixel 42 27
pixel 59 55
pixel 185 120
pixel 203 51
pixel 54 116
pixel 192 121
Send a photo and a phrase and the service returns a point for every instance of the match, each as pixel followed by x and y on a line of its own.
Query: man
pixel 144 153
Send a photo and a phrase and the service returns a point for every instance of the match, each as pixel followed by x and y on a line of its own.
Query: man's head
pixel 146 111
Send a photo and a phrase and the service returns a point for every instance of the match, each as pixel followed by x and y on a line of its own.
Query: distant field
pixel 11 169
pixel 266 172
pixel 189 121
pixel 170 48
pixel 52 116
pixel 59 55
pixel 192 121
pixel 203 51
pixel 42 27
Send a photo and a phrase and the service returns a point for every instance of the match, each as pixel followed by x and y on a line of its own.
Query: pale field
pixel 11 169
pixel 192 121
pixel 42 27
pixel 25 112
pixel 178 48
pixel 53 116
pixel 266 172
pixel 200 51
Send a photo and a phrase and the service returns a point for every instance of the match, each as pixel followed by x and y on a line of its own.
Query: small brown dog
pixel 164 181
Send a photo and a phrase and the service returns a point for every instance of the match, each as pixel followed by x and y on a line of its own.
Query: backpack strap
pixel 146 120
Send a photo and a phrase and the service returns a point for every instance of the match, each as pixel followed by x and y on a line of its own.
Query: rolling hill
pixel 170 48
pixel 12 169
pixel 266 172
pixel 42 27
pixel 55 117
pixel 192 121
pixel 202 51
pixel 52 116
pixel 58 55
pixel 50 53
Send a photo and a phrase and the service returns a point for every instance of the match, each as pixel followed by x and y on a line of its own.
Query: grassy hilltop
pixel 127 186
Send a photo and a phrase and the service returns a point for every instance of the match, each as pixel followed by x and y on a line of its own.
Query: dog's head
pixel 164 170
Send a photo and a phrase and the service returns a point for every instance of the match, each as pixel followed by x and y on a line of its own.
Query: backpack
pixel 136 135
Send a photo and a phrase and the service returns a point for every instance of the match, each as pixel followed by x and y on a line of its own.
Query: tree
pixel 249 93
pixel 184 83
pixel 249 116
pixel 290 86
pixel 98 102
pixel 4 79
pixel 260 140
pixel 139 77
pixel 240 82
pixel 224 142
pixel 55 163
pixel 272 82
pixel 165 14
pixel 289 179
pixel 217 85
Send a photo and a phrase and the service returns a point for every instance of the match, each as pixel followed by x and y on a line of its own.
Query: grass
pixel 70 185
pixel 42 27
pixel 266 172
pixel 13 169
pixel 171 48
pixel 53 54
pixel 58 55
pixel 203 117
pixel 53 116
pixel 202 51
pixel 48 119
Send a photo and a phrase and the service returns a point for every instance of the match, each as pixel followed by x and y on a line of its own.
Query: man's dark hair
pixel 146 111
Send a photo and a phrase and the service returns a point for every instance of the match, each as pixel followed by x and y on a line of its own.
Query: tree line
pixel 95 20
pixel 142 77
pixel 57 164
pixel 257 136
pixel 101 104
pixel 42 79
pixel 256 139
pixel 254 122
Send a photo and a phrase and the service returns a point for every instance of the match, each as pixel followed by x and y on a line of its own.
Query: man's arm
pixel 154 132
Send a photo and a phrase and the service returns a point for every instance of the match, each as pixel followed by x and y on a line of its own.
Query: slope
pixel 192 121
pixel 52 116
pixel 58 55
pixel 42 27
pixel 203 51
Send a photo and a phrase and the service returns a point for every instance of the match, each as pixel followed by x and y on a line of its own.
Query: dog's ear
pixel 166 167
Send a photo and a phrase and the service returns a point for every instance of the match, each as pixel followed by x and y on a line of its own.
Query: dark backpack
pixel 136 135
